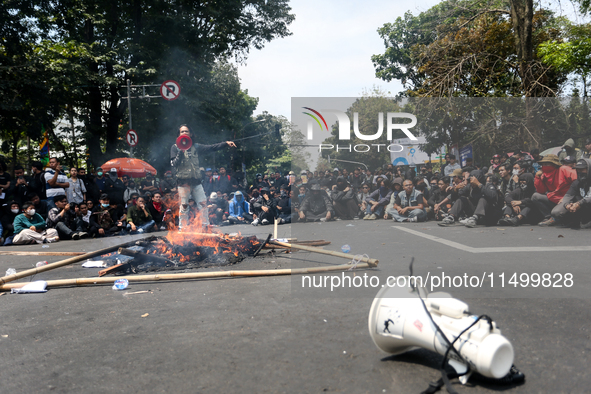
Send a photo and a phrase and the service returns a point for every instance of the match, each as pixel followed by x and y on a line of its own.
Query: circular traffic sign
pixel 131 137
pixel 170 90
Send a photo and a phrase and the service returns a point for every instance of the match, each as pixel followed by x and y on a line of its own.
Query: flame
pixel 195 235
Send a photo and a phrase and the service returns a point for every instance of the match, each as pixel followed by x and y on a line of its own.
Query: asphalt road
pixel 269 334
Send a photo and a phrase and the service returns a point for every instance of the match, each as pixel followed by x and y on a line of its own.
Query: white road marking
pixel 499 249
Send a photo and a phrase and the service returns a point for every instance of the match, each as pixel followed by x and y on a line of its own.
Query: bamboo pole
pixel 371 262
pixel 15 253
pixel 184 276
pixel 57 264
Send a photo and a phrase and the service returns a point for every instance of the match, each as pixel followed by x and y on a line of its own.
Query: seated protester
pixel 114 187
pixel 239 210
pixel 438 195
pixel 356 179
pixel 62 218
pixel 452 192
pixel 139 218
pixel 41 206
pixel 344 200
pixel 518 206
pixel 552 182
pixel 284 206
pixel 131 189
pixel 575 207
pixel 21 187
pixel 105 219
pixel 396 189
pixel 301 194
pixel 477 201
pixel 508 183
pixel 217 208
pixel 377 201
pixel 168 185
pixel 316 205
pixel 434 182
pixel 90 205
pixel 83 218
pixel 409 206
pixel 29 227
pixel 157 209
pixel 149 184
pixel 364 192
pixel 7 220
pixel 264 208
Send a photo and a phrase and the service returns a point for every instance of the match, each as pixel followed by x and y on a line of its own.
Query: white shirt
pixel 51 192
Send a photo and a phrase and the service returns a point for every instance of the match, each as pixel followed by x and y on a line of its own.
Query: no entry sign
pixel 170 90
pixel 131 137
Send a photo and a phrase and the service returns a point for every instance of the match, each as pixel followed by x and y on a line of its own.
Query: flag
pixel 44 147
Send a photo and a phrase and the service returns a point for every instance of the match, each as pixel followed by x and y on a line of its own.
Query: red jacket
pixel 556 184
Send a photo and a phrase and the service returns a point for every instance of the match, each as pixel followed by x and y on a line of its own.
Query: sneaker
pixel 447 221
pixel 366 217
pixel 470 222
pixel 140 230
pixel 255 222
pixel 463 221
pixel 373 216
pixel 51 239
pixel 162 228
pixel 75 236
pixel 513 221
pixel 586 225
pixel 413 219
pixel 83 235
pixel 548 223
pixel 265 221
pixel 323 220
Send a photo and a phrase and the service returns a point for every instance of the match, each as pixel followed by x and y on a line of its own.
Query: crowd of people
pixel 513 189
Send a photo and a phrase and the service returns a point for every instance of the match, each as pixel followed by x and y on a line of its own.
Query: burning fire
pixel 195 238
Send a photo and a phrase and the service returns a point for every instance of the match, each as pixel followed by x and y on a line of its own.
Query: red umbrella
pixel 134 168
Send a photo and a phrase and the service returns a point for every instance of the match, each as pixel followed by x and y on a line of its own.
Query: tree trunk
pixel 94 124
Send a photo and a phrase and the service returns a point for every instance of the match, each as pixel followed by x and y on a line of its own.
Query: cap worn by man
pixel 581 164
pixel 114 170
pixel 569 160
pixel 104 196
pixel 457 172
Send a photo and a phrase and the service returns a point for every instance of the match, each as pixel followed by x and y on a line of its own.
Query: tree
pixel 572 53
pixel 90 48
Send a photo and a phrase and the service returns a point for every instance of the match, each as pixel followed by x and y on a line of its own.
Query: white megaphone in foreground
pixel 398 323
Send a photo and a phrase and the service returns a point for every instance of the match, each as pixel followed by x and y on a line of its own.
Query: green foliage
pixel 78 54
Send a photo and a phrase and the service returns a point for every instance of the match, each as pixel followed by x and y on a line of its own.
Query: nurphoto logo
pixel 345 129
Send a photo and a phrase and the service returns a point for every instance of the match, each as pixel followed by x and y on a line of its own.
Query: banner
pixel 411 153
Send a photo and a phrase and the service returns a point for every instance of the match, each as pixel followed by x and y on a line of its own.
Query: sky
pixel 328 54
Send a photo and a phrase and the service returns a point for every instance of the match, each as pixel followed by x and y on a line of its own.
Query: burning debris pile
pixel 184 250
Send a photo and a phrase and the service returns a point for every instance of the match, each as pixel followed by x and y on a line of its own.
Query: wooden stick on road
pixel 185 276
pixel 371 262
pixel 57 264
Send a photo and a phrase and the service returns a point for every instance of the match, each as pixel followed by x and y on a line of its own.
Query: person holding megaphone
pixel 185 160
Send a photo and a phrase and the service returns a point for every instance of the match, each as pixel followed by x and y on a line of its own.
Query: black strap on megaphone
pixel 445 377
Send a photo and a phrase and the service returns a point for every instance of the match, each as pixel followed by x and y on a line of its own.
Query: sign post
pixel 169 90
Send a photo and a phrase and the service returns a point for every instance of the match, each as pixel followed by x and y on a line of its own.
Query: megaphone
pixel 184 142
pixel 398 322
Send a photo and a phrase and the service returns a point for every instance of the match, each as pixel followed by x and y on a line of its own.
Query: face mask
pixel 515 172
pixel 168 176
pixel 14 210
pixel 215 176
pixel 523 186
pixel 581 177
pixel 99 173
pixel 105 205
pixel 301 195
pixel 31 212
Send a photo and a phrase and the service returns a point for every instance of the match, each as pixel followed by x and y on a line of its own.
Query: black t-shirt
pixel 4 179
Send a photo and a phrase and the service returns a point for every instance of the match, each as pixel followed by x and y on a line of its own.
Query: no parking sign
pixel 170 90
